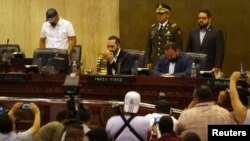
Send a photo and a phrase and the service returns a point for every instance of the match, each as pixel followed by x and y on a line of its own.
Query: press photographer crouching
pixel 8 131
pixel 242 112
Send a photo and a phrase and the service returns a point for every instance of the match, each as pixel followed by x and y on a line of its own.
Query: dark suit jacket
pixel 212 45
pixel 126 62
pixel 182 65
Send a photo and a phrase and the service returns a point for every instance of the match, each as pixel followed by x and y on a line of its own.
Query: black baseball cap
pixel 50 14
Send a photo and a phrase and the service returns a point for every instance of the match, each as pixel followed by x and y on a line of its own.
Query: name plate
pixel 14 77
pixel 110 79
pixel 216 82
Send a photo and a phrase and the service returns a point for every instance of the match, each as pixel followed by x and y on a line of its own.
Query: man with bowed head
pixel 58 32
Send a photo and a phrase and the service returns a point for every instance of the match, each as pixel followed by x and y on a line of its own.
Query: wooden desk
pixel 178 90
pixel 49 86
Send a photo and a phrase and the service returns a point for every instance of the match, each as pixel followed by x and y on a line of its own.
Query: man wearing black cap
pixel 58 32
pixel 160 33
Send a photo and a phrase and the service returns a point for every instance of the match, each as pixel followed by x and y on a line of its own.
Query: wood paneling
pixel 136 16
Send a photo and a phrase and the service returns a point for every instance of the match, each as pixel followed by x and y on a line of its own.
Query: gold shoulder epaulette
pixel 153 25
pixel 173 25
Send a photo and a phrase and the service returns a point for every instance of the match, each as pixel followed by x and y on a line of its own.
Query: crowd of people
pixel 127 124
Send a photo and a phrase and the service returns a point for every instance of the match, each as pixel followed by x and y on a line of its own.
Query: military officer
pixel 160 33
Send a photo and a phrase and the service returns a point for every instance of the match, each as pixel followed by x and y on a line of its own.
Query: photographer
pixel 242 112
pixel 8 128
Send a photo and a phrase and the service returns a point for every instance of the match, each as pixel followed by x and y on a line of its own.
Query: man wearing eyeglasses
pixel 160 33
pixel 58 32
pixel 209 40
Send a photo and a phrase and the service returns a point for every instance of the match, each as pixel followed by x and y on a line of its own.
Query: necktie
pixel 161 27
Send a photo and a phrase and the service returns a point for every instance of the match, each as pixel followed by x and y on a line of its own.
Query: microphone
pixel 5 59
pixel 119 67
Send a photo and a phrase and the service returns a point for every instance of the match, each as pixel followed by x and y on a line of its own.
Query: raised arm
pixel 239 109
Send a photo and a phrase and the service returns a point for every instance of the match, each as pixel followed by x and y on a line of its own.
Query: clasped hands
pixel 108 55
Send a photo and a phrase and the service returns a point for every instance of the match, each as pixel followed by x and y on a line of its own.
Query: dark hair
pixel 113 37
pixel 166 124
pixel 204 93
pixel 172 45
pixel 6 123
pixel 162 106
pixel 97 134
pixel 191 136
pixel 61 116
pixel 73 131
pixel 243 94
pixel 84 114
pixel 209 15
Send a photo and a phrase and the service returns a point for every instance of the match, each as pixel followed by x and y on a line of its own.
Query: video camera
pixel 71 92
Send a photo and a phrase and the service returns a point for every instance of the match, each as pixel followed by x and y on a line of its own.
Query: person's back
pixel 129 127
pixel 204 113
pixel 97 134
pixel 50 132
pixel 139 123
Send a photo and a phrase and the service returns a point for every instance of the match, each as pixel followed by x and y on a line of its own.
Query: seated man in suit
pixel 118 60
pixel 173 63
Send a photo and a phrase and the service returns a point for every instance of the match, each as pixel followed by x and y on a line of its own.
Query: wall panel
pixel 136 16
pixel 93 20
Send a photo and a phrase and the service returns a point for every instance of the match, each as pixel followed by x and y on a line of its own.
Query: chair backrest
pixel 6 51
pixel 138 56
pixel 199 59
pixel 77 53
pixel 51 60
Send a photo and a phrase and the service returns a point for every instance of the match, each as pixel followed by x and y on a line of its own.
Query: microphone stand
pixel 119 67
pixel 5 61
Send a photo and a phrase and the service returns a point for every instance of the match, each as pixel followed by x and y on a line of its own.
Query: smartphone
pixel 26 106
pixel 1 109
pixel 157 119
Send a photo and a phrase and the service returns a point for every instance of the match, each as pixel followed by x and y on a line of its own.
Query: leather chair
pixel 199 60
pixel 6 51
pixel 138 56
pixel 77 54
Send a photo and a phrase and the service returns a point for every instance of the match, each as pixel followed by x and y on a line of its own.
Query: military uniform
pixel 157 39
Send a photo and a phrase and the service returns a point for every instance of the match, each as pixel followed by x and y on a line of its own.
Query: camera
pixel 26 106
pixel 71 92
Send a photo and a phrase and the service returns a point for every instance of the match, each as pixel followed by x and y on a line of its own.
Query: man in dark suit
pixel 160 33
pixel 209 40
pixel 118 60
pixel 174 63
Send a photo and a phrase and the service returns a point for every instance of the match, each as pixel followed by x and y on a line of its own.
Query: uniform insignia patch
pixel 173 25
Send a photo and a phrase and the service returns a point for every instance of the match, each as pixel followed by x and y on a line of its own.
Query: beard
pixel 203 26
pixel 52 24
